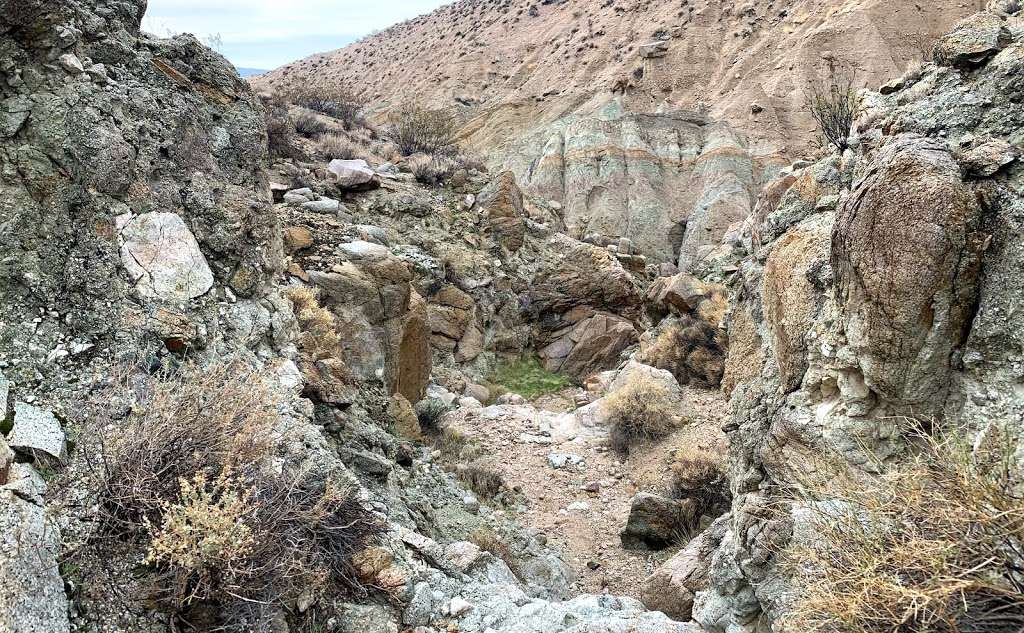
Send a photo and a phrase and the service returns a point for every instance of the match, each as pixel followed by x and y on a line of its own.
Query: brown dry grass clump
pixel 481 478
pixel 333 145
pixel 692 349
pixel 320 338
pixel 432 169
pixel 186 472
pixel 642 410
pixel 701 476
pixel 935 545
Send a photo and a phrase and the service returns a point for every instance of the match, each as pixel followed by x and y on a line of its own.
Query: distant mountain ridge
pixel 249 72
pixel 520 63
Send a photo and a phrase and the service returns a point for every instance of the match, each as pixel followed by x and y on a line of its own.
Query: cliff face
pixel 876 290
pixel 134 193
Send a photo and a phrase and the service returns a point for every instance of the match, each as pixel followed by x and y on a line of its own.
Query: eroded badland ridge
pixel 516 318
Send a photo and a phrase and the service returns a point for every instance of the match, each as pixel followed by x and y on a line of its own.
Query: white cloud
pixel 269 33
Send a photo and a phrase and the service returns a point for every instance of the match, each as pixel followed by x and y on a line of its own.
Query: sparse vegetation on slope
pixel 932 545
pixel 527 377
pixel 188 474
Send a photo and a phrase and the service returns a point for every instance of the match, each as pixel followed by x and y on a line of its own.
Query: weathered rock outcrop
pixel 671 183
pixel 132 184
pixel 876 287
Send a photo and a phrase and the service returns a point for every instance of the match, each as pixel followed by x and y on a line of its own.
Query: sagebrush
pixel 641 410
pixel 187 470
pixel 424 131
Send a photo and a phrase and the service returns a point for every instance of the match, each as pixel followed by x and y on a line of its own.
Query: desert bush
pixel 280 128
pixel 639 411
pixel 309 126
pixel 701 476
pixel 186 472
pixel 932 545
pixel 488 540
pixel 432 169
pixel 320 338
pixel 692 349
pixel 481 478
pixel 338 103
pixel 331 146
pixel 429 412
pixel 832 102
pixel 422 131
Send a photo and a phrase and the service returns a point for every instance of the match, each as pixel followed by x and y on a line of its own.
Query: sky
pixel 269 33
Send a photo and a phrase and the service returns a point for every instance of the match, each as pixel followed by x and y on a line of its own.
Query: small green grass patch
pixel 527 377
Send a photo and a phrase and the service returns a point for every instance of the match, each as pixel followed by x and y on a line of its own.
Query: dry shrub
pixel 488 540
pixel 701 476
pixel 335 102
pixel 832 102
pixel 320 338
pixel 387 150
pixel 935 545
pixel 432 169
pixel 481 478
pixel 429 412
pixel 641 410
pixel 280 128
pixel 332 146
pixel 423 131
pixel 187 473
pixel 309 126
pixel 692 349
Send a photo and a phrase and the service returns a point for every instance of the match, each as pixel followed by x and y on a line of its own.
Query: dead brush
pixel 692 349
pixel 642 410
pixel 338 146
pixel 701 476
pixel 187 474
pixel 481 477
pixel 935 545
pixel 320 338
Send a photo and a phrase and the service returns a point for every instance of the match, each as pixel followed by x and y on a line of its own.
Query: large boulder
pixel 591 345
pixel 162 257
pixel 906 252
pixel 36 432
pixel 501 204
pixel 672 588
pixel 350 174
pixel 32 598
pixel 973 41
pixel 656 522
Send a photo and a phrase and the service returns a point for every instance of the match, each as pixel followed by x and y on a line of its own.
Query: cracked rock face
pixel 163 258
pixel 877 286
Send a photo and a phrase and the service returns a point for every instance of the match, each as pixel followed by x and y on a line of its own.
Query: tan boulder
pixel 906 253
pixel 501 204
pixel 672 588
pixel 592 345
pixel 297 238
pixel 414 352
pixel 791 300
pixel 403 415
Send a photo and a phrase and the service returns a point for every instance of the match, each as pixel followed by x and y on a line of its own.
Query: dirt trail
pixel 581 519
